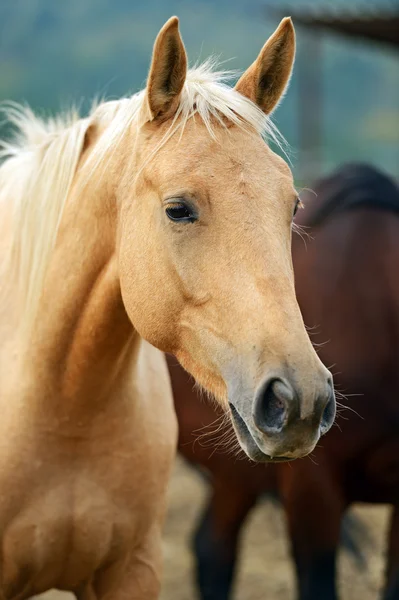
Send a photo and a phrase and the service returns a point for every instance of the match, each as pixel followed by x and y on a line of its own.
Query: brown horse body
pixel 348 289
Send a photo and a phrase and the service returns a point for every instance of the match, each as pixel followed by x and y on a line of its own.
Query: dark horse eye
pixel 298 204
pixel 180 212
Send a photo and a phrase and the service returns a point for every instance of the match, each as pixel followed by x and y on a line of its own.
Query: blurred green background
pixel 56 52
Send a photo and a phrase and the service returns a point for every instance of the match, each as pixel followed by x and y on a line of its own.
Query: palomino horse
pixel 347 285
pixel 161 218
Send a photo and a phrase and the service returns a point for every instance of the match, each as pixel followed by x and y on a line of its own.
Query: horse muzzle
pixel 277 428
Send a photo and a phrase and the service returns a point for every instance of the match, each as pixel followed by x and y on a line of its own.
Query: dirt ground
pixel 265 571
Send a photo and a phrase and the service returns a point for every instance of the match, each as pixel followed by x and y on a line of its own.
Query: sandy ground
pixel 265 571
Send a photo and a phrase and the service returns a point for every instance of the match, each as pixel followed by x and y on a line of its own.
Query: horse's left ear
pixel 167 72
pixel 265 81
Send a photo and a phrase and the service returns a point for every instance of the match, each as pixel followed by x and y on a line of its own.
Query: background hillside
pixel 55 52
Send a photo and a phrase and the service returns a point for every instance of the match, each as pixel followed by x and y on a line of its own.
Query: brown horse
pixel 140 224
pixel 348 288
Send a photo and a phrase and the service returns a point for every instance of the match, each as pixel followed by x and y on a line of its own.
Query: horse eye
pixel 298 204
pixel 180 212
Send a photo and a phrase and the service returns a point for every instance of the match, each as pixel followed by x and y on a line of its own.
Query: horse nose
pixel 277 405
pixel 329 410
pixel 274 404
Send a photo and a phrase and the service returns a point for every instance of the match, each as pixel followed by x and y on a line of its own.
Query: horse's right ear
pixel 167 72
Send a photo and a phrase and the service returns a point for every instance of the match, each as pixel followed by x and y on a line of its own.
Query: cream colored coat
pixel 92 266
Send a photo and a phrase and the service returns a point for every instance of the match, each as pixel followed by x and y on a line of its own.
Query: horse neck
pixel 83 343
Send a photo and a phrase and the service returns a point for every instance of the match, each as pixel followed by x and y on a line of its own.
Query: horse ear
pixel 265 81
pixel 167 72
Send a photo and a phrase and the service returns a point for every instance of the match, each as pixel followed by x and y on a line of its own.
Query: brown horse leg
pixel 314 510
pixel 86 593
pixel 392 584
pixel 216 539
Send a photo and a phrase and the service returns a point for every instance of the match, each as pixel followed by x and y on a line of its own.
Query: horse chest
pixel 70 511
pixel 60 537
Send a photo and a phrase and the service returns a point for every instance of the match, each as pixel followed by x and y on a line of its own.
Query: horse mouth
pixel 248 443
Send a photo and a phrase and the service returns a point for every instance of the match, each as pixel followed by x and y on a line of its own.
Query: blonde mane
pixel 43 155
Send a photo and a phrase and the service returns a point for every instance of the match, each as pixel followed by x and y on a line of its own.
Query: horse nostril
pixel 328 416
pixel 272 406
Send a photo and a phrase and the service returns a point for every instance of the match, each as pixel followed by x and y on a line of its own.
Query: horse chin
pixel 248 442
